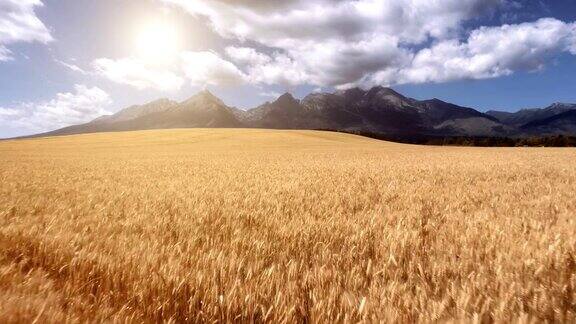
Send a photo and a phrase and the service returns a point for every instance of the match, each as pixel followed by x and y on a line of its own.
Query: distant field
pixel 283 226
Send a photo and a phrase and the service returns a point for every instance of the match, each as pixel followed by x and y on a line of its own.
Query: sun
pixel 157 42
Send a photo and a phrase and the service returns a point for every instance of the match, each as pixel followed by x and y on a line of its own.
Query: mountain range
pixel 378 110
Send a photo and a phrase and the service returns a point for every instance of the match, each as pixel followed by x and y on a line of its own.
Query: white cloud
pixel 280 70
pixel 82 105
pixel 207 68
pixel 6 112
pixel 19 23
pixel 329 63
pixel 269 94
pixel 343 43
pixel 137 74
pixel 281 23
pixel 197 68
pixel 247 55
pixel 71 67
pixel 572 40
pixel 488 53
pixel 5 54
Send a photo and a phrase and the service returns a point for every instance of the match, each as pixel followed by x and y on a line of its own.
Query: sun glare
pixel 157 42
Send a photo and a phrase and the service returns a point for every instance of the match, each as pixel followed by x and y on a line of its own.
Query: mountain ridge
pixel 378 110
pixel 528 115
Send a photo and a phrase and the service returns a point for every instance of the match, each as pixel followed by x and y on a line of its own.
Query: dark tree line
pixel 539 141
pixel 534 141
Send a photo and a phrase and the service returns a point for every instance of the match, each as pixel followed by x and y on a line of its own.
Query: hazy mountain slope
pixel 378 110
pixel 285 112
pixel 135 112
pixel 436 111
pixel 118 121
pixel 474 126
pixel 451 120
pixel 384 110
pixel 332 111
pixel 202 110
pixel 526 116
pixel 560 124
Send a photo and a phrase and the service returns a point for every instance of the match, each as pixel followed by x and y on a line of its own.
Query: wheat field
pixel 285 227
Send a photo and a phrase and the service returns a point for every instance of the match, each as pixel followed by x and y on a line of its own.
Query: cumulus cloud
pixel 281 23
pixel 208 68
pixel 138 74
pixel 82 105
pixel 5 54
pixel 197 68
pixel 19 23
pixel 487 53
pixel 269 94
pixel 571 40
pixel 247 55
pixel 280 69
pixel 343 43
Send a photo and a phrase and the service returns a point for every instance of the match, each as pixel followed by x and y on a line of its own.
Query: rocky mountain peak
pixel 203 97
pixel 286 99
pixel 161 101
pixel 351 93
pixel 563 105
pixel 207 93
pixel 380 93
pixel 380 110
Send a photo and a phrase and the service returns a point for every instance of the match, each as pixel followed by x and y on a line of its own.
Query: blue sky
pixel 67 61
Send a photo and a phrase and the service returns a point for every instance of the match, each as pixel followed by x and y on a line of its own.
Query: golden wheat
pixel 283 226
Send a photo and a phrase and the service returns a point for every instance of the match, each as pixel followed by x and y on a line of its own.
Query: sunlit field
pixel 283 226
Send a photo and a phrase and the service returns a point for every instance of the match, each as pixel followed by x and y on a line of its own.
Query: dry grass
pixel 283 226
